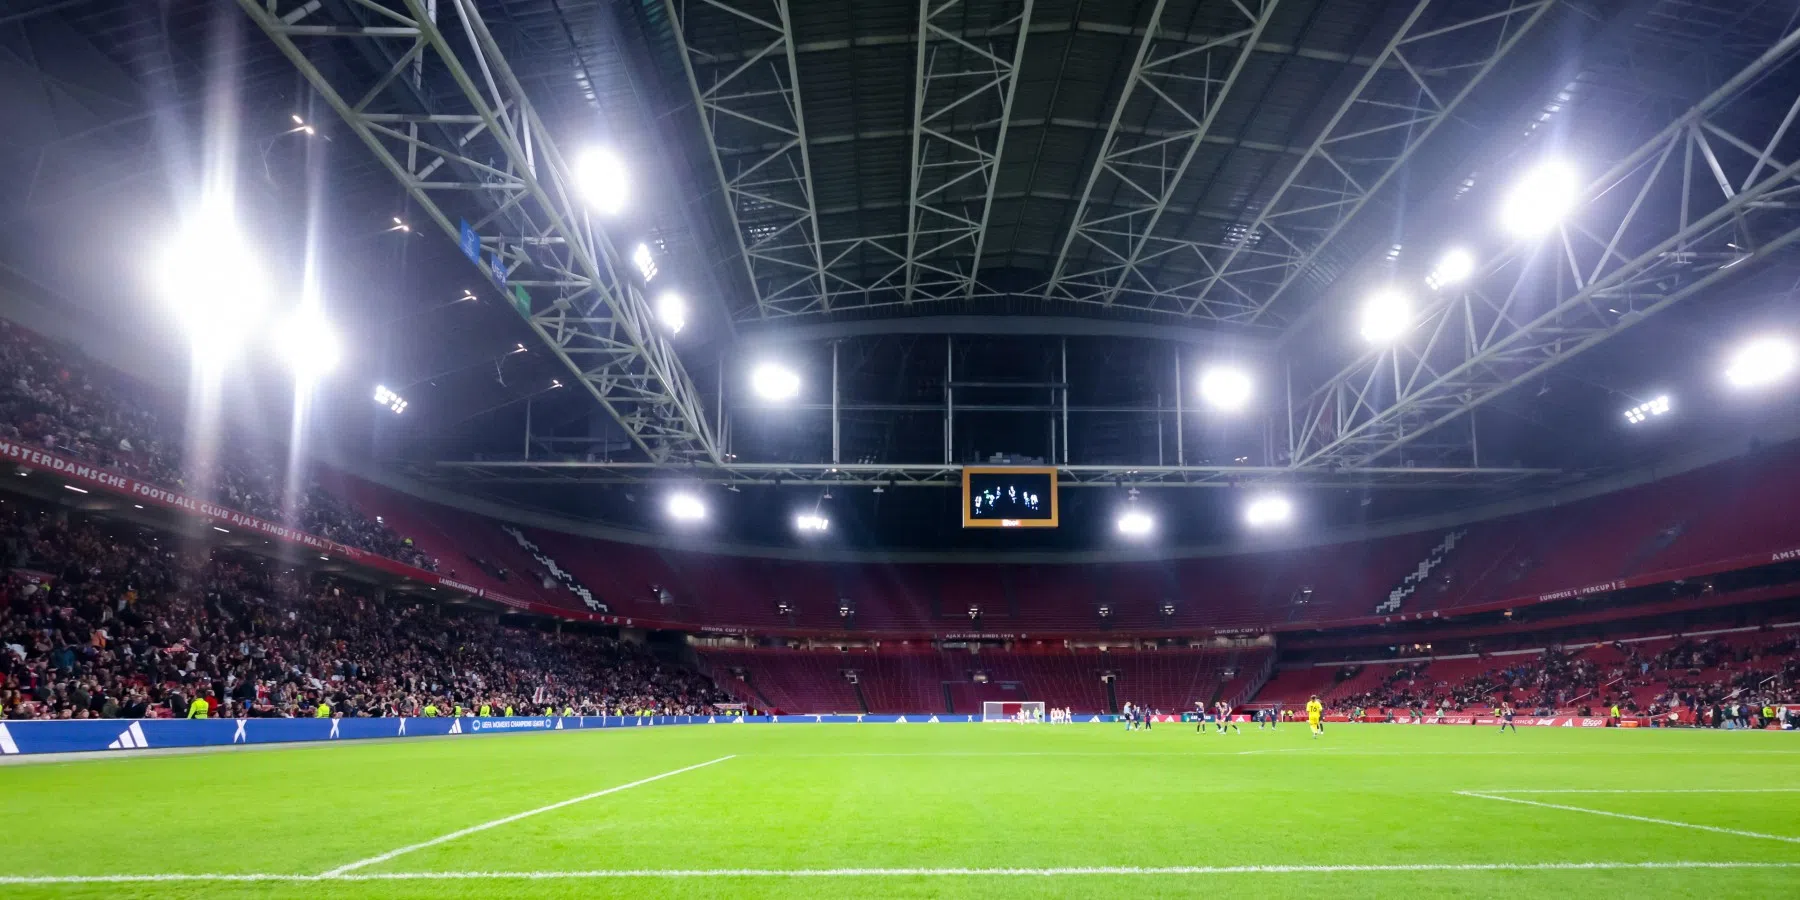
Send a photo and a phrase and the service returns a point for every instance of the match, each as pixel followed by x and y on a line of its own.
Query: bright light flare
pixel 686 508
pixel 645 262
pixel 602 180
pixel 307 343
pixel 1540 199
pixel 1453 268
pixel 1136 523
pixel 775 382
pixel 1386 315
pixel 394 402
pixel 1267 510
pixel 1649 408
pixel 209 276
pixel 812 522
pixel 1225 388
pixel 1762 362
pixel 671 308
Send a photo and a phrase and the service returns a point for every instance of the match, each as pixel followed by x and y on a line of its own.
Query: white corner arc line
pixel 902 872
pixel 472 829
pixel 1618 815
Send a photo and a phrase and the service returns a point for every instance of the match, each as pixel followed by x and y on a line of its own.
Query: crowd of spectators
pixel 100 620
pixel 52 397
pixel 1705 682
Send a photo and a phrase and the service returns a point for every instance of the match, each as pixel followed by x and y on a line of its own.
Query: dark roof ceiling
pixel 111 103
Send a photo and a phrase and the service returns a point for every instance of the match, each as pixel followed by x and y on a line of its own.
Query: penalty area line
pixel 345 869
pixel 1618 815
pixel 903 872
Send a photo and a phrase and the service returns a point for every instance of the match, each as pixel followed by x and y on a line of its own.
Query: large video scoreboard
pixel 1009 497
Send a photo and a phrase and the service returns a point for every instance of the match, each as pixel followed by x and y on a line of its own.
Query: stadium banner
pixel 230 519
pixel 1486 719
pixel 88 735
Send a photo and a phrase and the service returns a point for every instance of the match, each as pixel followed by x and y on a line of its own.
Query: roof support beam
pixel 1391 111
pixel 958 81
pixel 756 101
pixel 514 212
pixel 1708 197
pixel 1146 172
pixel 940 475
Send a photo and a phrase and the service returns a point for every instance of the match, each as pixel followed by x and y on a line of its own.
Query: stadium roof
pixel 1085 197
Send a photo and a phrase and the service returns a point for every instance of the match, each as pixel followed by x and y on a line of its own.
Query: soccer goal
pixel 1012 711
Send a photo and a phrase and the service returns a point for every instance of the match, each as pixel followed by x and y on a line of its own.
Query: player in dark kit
pixel 1506 718
pixel 1225 717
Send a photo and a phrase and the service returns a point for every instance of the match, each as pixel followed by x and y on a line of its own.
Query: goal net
pixel 1012 711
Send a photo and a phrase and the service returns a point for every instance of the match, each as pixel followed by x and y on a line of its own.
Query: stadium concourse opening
pixel 979 448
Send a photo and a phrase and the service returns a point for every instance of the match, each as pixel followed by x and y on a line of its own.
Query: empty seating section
pixel 926 680
pixel 961 587
pixel 469 548
pixel 1639 673
pixel 792 681
pixel 1730 511
pixel 1410 583
pixel 1293 686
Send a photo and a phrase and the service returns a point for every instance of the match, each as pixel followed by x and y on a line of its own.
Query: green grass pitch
pixel 920 810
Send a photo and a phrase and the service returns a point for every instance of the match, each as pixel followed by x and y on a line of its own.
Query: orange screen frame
pixel 1055 504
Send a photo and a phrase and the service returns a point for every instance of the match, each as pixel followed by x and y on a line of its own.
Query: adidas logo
pixel 559 725
pixel 7 747
pixel 900 720
pixel 131 738
pixel 932 719
pixel 456 727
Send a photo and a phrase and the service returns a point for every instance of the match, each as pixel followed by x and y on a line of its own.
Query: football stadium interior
pixel 955 448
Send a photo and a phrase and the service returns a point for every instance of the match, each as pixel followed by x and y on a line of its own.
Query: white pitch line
pixel 919 872
pixel 340 871
pixel 1616 815
pixel 1642 791
pixel 1347 751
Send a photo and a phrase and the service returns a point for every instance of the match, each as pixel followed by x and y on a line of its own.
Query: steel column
pixel 1140 172
pixel 962 100
pixel 768 191
pixel 1658 227
pixel 506 193
pixel 1395 107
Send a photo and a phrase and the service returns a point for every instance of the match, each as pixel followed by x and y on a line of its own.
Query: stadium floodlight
pixel 685 507
pixel 1136 523
pixel 307 344
pixel 812 522
pixel 671 308
pixel 394 402
pixel 210 277
pixel 1454 267
pixel 1540 199
pixel 602 180
pixel 775 382
pixel 1269 509
pixel 1386 315
pixel 1649 408
pixel 1762 361
pixel 645 262
pixel 1225 388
